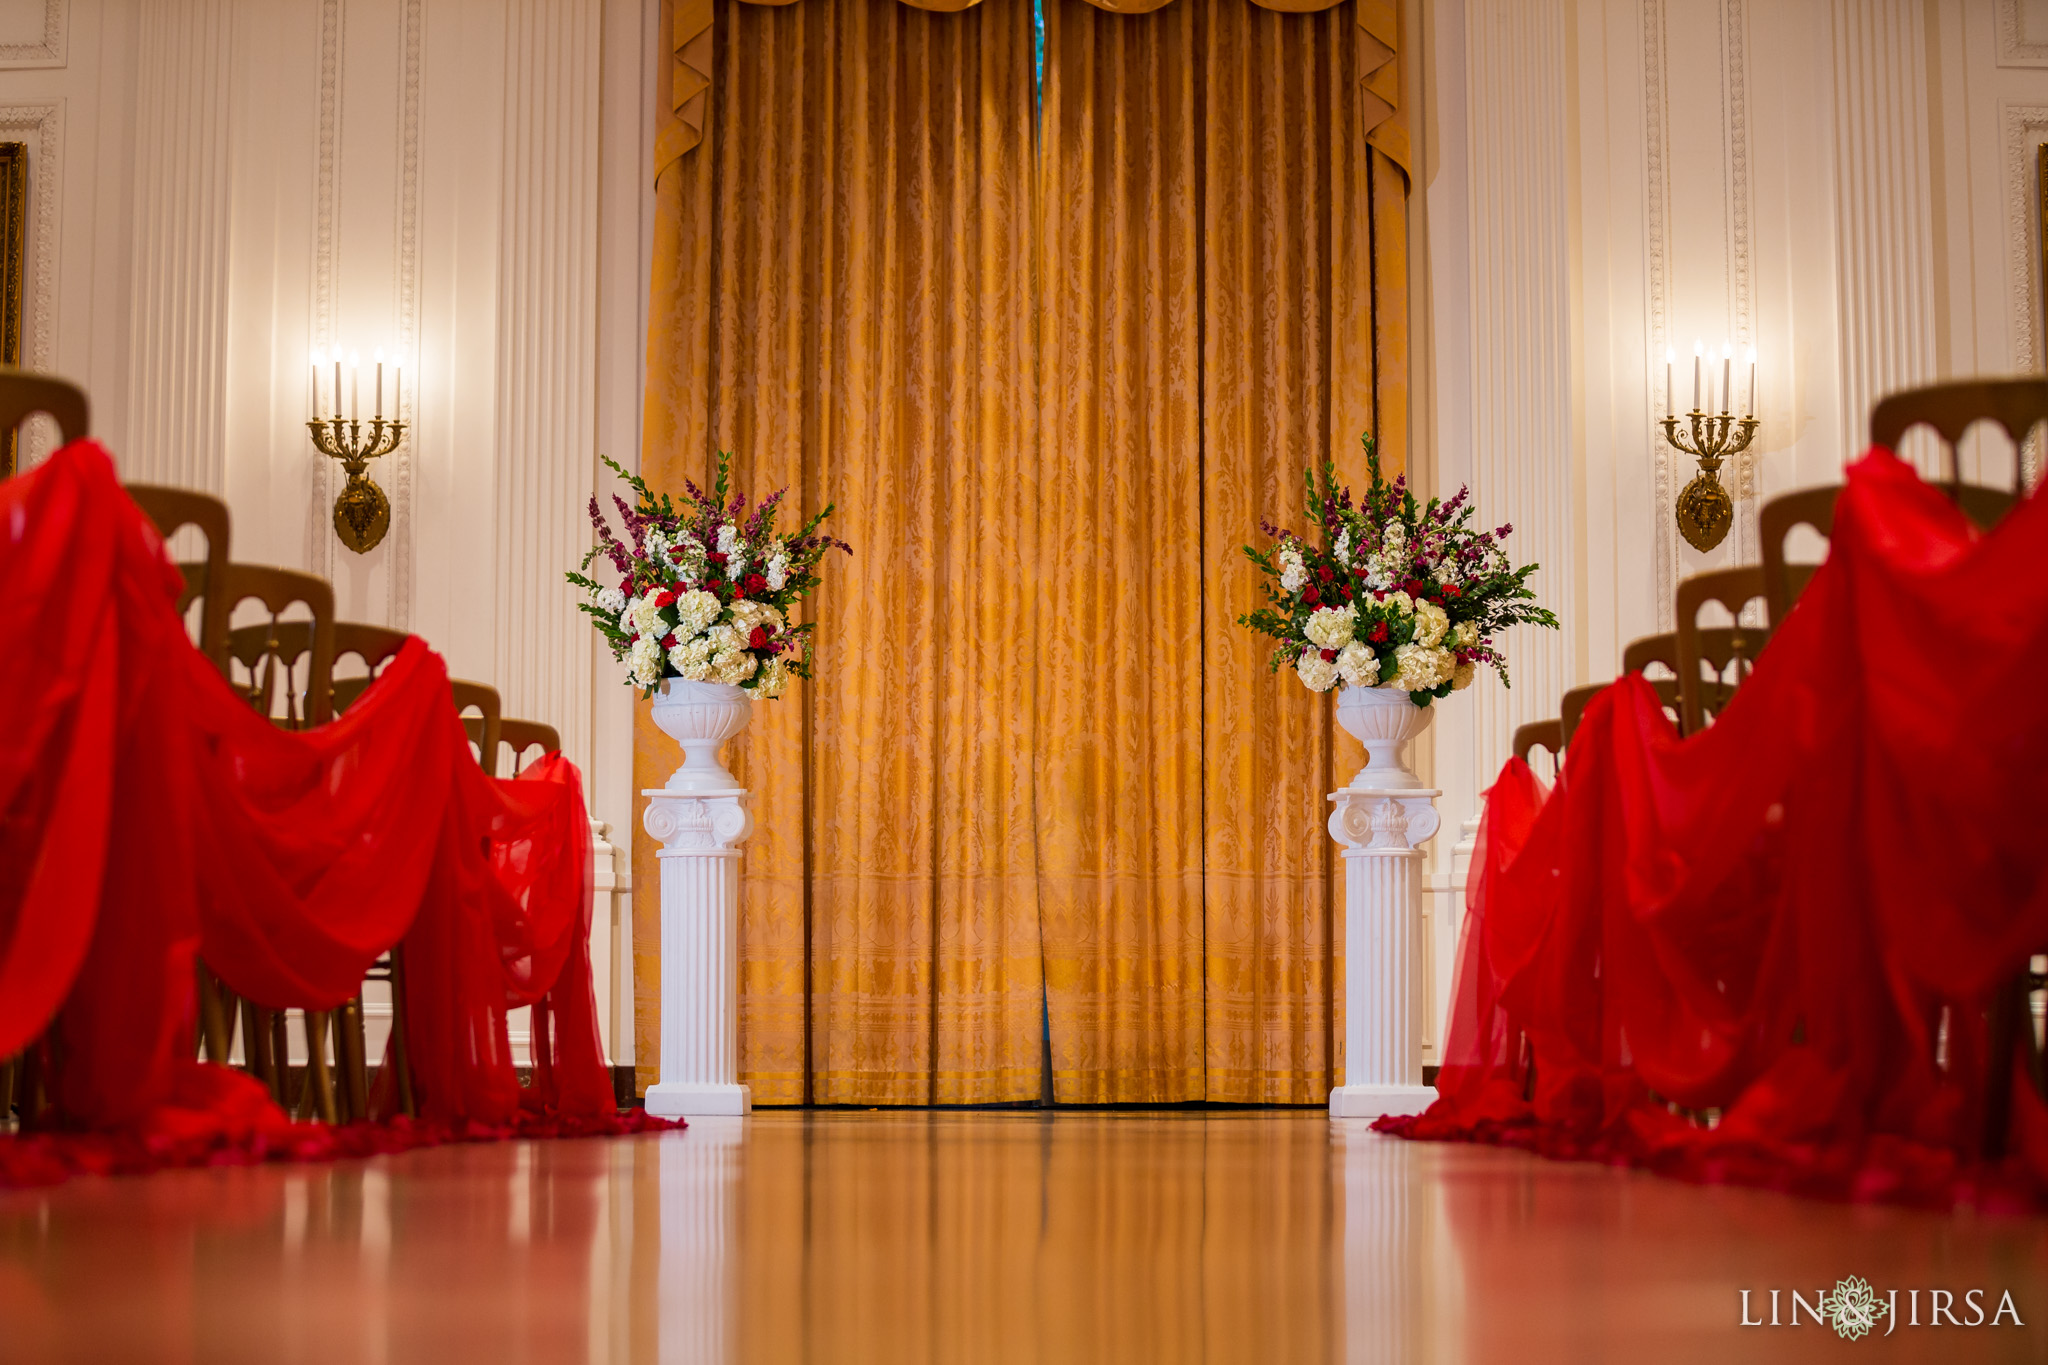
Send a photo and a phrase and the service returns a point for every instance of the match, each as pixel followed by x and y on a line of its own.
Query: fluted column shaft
pixel 1382 831
pixel 700 907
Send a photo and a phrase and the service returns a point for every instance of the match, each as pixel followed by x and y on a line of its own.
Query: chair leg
pixel 351 1049
pixel 2008 1012
pixel 31 1085
pixel 407 1101
pixel 316 1096
pixel 8 1070
pixel 256 1052
pixel 213 1023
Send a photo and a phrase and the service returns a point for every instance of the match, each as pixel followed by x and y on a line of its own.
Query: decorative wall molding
pixel 546 359
pixel 1657 255
pixel 408 309
pixel 177 392
pixel 1521 284
pixel 41 127
pixel 327 197
pixel 2026 129
pixel 1884 194
pixel 2013 47
pixel 1741 275
pixel 48 50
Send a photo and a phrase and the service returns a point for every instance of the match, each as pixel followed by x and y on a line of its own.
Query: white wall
pixel 218 186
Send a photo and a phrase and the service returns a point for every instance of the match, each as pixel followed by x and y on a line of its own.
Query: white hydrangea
pixel 647 621
pixel 1400 601
pixel 1461 676
pixel 733 667
pixel 694 611
pixel 1317 673
pixel 1332 627
pixel 692 659
pixel 611 601
pixel 747 613
pixel 1357 665
pixel 1419 668
pixel 1431 624
pixel 1342 549
pixel 725 639
pixel 1293 572
pixel 778 574
pixel 645 661
pixel 772 679
pixel 1463 636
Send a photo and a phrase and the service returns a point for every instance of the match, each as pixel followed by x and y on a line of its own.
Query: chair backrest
pixel 271 650
pixel 1952 409
pixel 173 509
pixel 374 645
pixel 1776 521
pixel 1706 656
pixel 521 735
pixel 485 727
pixel 1539 734
pixel 23 394
pixel 1572 706
pixel 1639 654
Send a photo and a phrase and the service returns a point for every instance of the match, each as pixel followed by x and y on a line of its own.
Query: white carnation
pixel 611 601
pixel 1357 665
pixel 1461 676
pixel 1332 627
pixel 1317 673
pixel 1419 668
pixel 1431 623
pixel 694 611
pixel 1293 572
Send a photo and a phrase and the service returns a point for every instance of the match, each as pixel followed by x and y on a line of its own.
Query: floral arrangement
pixel 1400 594
pixel 706 591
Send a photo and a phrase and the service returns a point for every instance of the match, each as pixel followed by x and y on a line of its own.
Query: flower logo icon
pixel 1853 1308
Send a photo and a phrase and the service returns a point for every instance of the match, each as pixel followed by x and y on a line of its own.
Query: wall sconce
pixel 1704 509
pixel 362 514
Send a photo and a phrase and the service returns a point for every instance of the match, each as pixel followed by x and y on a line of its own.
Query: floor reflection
pixel 849 1237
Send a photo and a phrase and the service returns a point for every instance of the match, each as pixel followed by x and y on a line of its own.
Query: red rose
pixel 1329 656
pixel 716 557
pixel 1310 595
pixel 1451 590
pixel 756 585
pixel 675 554
pixel 1412 586
pixel 666 597
pixel 668 641
pixel 1323 572
pixel 759 638
pixel 1378 632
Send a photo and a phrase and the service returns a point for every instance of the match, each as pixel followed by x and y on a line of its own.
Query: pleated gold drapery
pixel 842 297
pixel 1034 713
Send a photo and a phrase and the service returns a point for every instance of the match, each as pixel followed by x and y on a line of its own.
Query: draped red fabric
pixel 1798 916
pixel 149 816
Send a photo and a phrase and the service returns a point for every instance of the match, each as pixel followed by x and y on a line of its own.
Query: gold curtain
pixel 1222 283
pixel 842 297
pixel 1034 706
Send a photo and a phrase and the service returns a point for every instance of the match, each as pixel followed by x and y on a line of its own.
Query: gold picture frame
pixel 13 248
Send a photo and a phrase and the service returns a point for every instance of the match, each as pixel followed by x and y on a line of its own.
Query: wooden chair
pixel 173 509
pixel 485 728
pixel 1547 735
pixel 374 645
pixel 23 394
pixel 1572 706
pixel 1705 657
pixel 1638 655
pixel 1776 520
pixel 521 735
pixel 2017 405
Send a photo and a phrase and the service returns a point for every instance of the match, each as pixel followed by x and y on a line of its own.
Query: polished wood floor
pixel 906 1238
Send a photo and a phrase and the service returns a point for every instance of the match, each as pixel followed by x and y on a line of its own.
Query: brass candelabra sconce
pixel 1705 511
pixel 362 514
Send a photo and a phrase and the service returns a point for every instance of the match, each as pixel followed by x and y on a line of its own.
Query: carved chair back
pixel 269 652
pixel 1776 521
pixel 1547 735
pixel 522 735
pixel 485 728
pixel 2017 405
pixel 23 394
pixel 1662 650
pixel 1713 661
pixel 374 645
pixel 1572 706
pixel 173 509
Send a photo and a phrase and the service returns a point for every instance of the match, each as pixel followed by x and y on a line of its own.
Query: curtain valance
pixel 1380 106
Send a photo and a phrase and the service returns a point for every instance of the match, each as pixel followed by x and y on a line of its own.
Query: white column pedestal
pixel 700 833
pixel 1382 830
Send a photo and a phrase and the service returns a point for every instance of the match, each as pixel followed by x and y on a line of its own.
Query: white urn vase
pixel 1383 720
pixel 702 716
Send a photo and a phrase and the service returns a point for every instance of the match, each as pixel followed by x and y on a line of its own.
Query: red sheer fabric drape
pixel 1790 915
pixel 148 816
